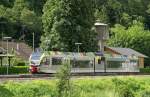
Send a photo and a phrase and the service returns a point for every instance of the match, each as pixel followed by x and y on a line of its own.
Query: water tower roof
pixel 100 24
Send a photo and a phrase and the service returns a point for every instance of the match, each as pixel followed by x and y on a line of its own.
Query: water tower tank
pixel 102 35
pixel 102 30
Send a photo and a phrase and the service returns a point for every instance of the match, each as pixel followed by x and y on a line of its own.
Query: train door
pixel 45 64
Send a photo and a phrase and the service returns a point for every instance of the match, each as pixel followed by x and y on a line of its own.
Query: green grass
pixel 84 87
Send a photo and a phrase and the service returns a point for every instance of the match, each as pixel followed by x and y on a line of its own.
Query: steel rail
pixel 52 75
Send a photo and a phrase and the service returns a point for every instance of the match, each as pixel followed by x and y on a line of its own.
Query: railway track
pixel 52 75
pixel 27 76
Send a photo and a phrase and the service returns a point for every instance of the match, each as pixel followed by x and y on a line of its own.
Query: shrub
pixel 19 62
pixel 63 84
pixel 86 87
pixel 5 92
pixel 30 89
pixel 145 70
pixel 127 87
pixel 14 70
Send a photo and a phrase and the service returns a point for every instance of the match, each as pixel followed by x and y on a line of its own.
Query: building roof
pixel 6 55
pixel 127 51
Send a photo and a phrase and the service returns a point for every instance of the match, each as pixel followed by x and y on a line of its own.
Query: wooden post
pixel 33 42
pixel 94 66
pixel 9 59
pixel 104 65
pixel 1 61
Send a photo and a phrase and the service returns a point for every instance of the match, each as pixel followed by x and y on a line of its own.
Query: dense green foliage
pixel 145 70
pixel 20 18
pixel 15 70
pixel 122 11
pixel 135 37
pixel 61 23
pixel 96 87
pixel 66 22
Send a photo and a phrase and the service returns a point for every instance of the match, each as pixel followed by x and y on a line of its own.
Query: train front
pixel 34 62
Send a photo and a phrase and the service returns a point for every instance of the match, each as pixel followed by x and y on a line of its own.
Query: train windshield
pixel 35 56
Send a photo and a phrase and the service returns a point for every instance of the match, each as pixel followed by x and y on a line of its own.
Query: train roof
pixel 50 53
pixel 71 55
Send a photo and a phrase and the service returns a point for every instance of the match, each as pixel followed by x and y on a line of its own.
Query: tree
pixel 19 5
pixel 7 3
pixel 135 37
pixel 21 20
pixel 36 6
pixel 101 14
pixel 2 10
pixel 122 11
pixel 32 24
pixel 109 10
pixel 66 22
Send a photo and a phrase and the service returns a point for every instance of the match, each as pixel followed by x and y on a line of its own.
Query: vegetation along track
pixel 51 75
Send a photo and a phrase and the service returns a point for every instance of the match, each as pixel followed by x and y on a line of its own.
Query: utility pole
pixel 7 56
pixel 94 67
pixel 78 44
pixel 33 42
pixel 7 38
pixel 2 39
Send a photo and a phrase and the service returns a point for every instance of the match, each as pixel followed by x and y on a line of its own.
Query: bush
pixel 14 70
pixel 145 70
pixel 86 87
pixel 63 84
pixel 19 62
pixel 126 87
pixel 29 89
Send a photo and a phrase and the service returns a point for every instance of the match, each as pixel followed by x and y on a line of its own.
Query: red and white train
pixel 50 62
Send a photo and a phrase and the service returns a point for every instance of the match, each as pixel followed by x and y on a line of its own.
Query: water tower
pixel 102 35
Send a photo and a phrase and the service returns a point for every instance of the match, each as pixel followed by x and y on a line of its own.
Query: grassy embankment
pixel 86 87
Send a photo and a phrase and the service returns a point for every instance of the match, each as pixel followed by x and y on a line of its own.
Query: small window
pixel 81 64
pixel 45 61
pixel 56 61
pixel 99 61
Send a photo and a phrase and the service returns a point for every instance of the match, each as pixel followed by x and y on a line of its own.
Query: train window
pixel 45 61
pixel 56 61
pixel 99 61
pixel 81 64
pixel 36 56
